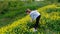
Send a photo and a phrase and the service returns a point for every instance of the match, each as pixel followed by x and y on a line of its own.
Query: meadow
pixel 15 20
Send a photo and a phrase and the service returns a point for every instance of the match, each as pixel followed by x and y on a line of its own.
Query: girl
pixel 35 15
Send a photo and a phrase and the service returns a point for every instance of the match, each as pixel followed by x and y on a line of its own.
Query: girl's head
pixel 28 11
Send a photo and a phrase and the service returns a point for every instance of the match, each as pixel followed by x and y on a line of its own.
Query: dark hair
pixel 28 10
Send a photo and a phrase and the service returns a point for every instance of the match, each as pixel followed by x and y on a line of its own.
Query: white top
pixel 34 14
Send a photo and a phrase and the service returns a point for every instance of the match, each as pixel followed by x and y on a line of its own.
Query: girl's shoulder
pixel 33 11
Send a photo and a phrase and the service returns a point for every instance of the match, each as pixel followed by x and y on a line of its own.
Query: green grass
pixel 49 24
pixel 11 11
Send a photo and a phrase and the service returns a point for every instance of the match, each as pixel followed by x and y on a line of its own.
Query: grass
pixel 49 23
pixel 11 11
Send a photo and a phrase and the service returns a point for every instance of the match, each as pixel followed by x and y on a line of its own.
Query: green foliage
pixel 49 24
pixel 14 10
pixel 11 13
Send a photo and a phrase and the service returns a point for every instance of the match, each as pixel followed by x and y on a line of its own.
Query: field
pixel 15 21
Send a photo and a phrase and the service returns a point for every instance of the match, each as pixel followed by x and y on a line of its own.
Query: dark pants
pixel 37 22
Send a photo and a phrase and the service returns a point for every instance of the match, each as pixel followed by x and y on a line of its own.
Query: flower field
pixel 49 24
